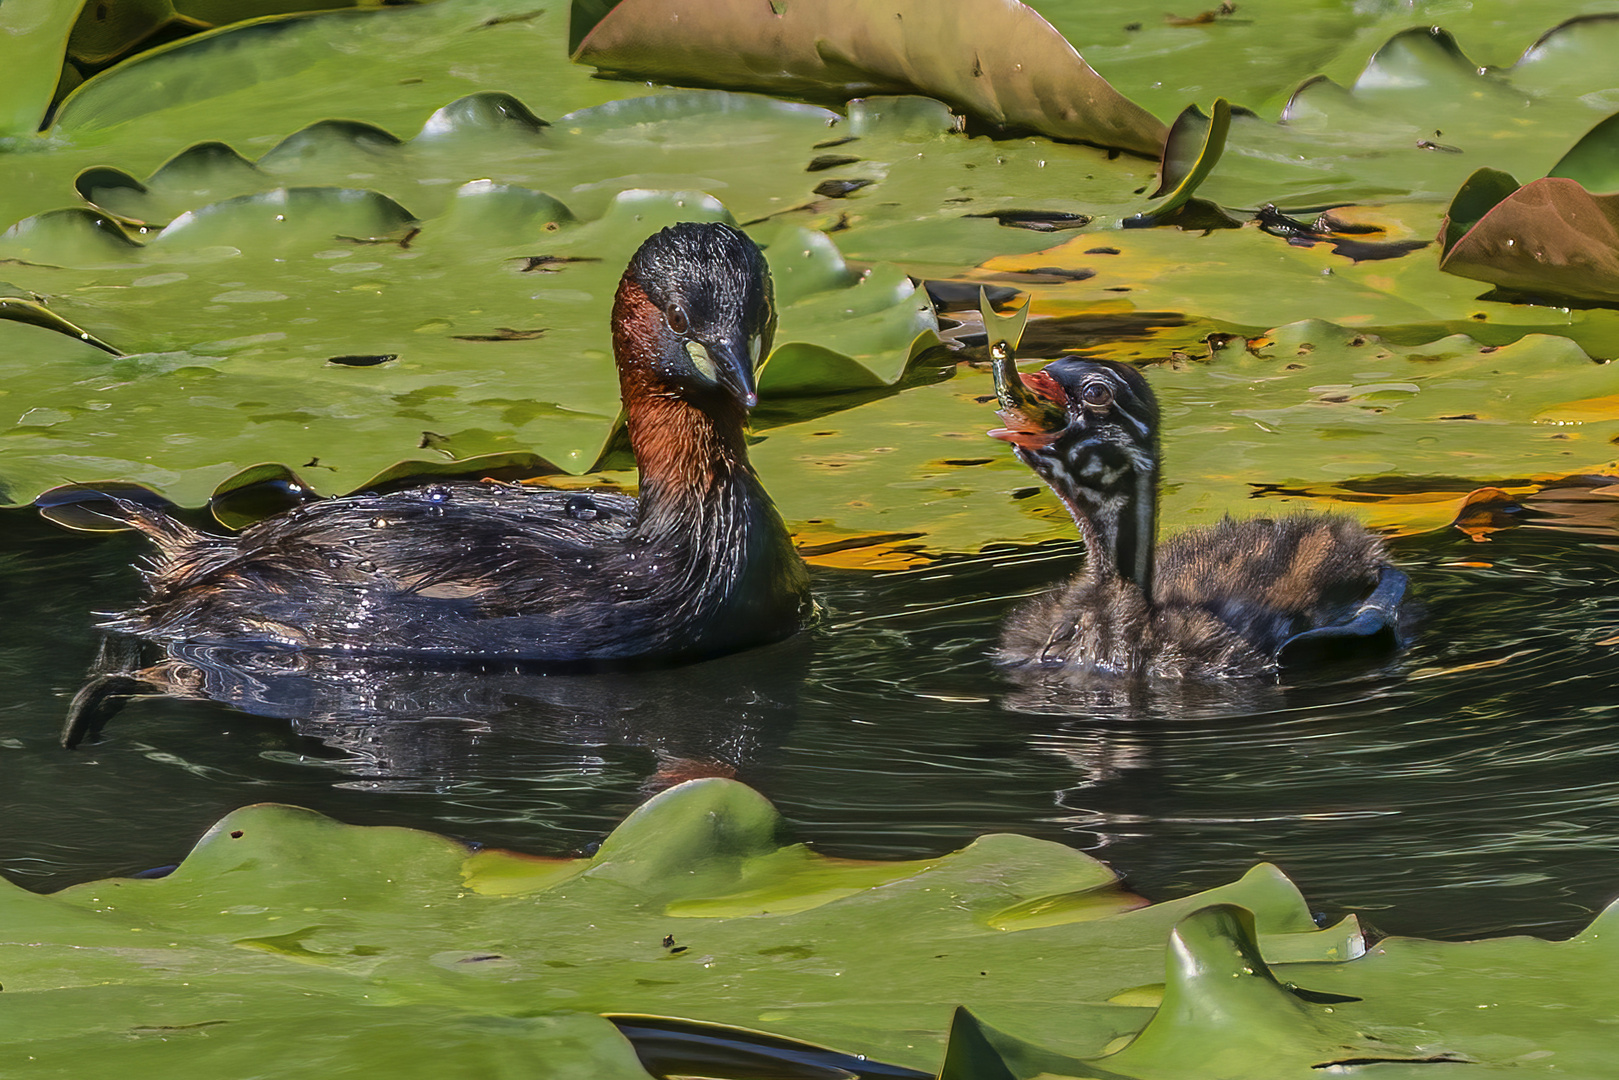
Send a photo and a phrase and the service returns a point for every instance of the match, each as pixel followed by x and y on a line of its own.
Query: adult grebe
pixel 700 564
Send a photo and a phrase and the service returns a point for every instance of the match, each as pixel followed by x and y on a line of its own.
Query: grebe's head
pixel 695 315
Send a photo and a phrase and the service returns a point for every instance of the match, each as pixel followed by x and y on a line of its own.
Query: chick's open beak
pixel 1033 405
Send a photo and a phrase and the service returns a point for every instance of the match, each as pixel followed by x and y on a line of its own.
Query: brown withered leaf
pixel 997 60
pixel 1550 238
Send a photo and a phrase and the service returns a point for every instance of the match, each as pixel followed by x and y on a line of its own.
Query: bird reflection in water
pixel 400 720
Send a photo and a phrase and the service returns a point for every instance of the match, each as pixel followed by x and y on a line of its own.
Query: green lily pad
pixel 1477 197
pixel 1593 162
pixel 33 36
pixel 286 938
pixel 1254 280
pixel 230 289
pixel 1418 118
pixel 456 276
pixel 1257 54
pixel 32 313
pixel 1309 410
pixel 1518 1004
pixel 1194 147
pixel 249 84
pixel 1551 240
pixel 695 906
pixel 108 32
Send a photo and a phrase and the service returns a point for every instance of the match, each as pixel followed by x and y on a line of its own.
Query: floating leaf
pixel 107 32
pixel 286 938
pixel 33 36
pixel 998 61
pixel 1550 239
pixel 695 905
pixel 1416 121
pixel 32 313
pixel 1477 197
pixel 1593 162
pixel 1192 150
pixel 454 301
pixel 1305 411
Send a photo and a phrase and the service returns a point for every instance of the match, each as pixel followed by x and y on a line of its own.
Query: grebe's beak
pixel 734 358
pixel 1034 406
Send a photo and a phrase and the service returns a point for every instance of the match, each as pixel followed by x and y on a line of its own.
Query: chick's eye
pixel 677 319
pixel 1096 395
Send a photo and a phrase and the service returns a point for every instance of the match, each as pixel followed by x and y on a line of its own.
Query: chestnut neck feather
pixel 690 455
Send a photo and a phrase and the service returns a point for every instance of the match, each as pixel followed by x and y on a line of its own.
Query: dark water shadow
pixel 1465 787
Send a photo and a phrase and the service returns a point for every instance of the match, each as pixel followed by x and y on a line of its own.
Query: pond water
pixel 1469 787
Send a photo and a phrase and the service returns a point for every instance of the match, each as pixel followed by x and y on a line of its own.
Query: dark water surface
pixel 1469 787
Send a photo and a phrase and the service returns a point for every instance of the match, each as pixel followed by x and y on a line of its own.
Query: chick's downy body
pixel 1240 598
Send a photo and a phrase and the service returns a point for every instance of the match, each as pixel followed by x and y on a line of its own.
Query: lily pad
pixel 230 289
pixel 1594 160
pixel 1258 53
pixel 1550 239
pixel 1420 115
pixel 1252 280
pixel 998 61
pixel 457 273
pixel 696 906
pixel 286 938
pixel 1305 412
pixel 33 36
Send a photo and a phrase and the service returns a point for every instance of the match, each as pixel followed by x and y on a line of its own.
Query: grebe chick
pixel 1240 598
pixel 701 564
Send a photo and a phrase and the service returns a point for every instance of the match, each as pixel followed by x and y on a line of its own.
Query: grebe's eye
pixel 676 316
pixel 1096 395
